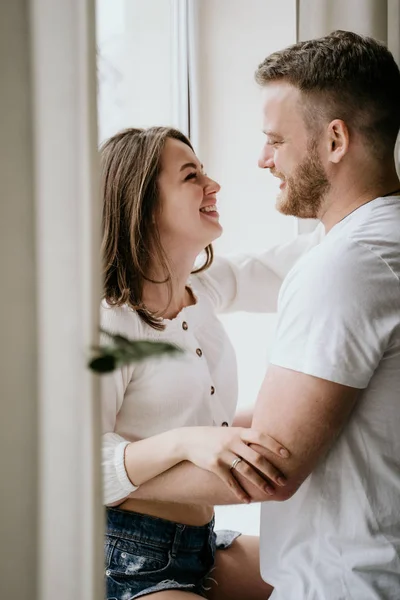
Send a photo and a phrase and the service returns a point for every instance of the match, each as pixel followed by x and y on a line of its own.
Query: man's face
pixel 291 153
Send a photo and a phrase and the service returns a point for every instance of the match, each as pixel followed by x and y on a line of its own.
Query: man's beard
pixel 305 190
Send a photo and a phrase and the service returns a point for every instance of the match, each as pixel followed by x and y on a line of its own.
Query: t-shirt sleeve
pixel 116 483
pixel 251 282
pixel 337 311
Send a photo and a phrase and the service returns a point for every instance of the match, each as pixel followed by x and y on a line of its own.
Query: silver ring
pixel 235 462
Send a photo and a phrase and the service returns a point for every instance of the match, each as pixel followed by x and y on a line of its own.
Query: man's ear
pixel 338 140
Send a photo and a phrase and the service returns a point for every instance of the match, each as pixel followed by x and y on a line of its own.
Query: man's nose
pixel 266 158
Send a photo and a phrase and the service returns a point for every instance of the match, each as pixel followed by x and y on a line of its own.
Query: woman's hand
pixel 217 449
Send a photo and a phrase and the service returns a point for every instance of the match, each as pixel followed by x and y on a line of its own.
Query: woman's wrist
pixel 178 443
pixel 152 456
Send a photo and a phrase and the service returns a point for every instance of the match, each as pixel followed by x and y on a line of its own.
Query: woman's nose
pixel 212 186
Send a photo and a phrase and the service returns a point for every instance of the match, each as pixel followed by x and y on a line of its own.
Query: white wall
pixel 233 40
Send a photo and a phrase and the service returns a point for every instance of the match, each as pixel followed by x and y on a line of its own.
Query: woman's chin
pixel 217 232
pixel 208 235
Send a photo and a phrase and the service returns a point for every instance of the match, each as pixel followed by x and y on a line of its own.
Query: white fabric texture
pixel 338 537
pixel 160 394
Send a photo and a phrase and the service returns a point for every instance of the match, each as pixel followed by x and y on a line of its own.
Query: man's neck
pixel 343 200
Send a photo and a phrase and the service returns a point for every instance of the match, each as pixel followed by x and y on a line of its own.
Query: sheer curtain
pixel 377 18
pixel 51 514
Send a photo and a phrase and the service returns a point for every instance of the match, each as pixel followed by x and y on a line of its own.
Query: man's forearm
pixel 188 484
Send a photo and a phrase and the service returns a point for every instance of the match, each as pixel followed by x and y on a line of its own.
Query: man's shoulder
pixel 350 254
pixel 334 257
pixel 378 234
pixel 344 272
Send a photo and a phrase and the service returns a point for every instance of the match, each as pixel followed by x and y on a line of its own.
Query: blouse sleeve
pixel 251 282
pixel 116 483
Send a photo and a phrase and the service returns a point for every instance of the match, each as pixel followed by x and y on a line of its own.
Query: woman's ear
pixel 338 140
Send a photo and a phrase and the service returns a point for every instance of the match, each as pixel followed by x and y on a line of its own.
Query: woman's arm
pixel 152 456
pixel 211 448
pixel 251 282
pixel 127 465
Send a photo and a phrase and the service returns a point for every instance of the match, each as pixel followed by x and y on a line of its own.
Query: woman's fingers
pixel 226 474
pixel 246 470
pixel 265 441
pixel 262 464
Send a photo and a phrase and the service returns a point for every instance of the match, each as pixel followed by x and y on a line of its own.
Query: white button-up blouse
pixel 200 386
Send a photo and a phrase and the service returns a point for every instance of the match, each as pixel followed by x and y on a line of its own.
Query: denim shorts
pixel 145 554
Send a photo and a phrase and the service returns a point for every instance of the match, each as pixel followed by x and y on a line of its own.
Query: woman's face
pixel 188 219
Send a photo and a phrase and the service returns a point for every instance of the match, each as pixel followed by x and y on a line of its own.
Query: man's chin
pixel 292 209
pixel 284 207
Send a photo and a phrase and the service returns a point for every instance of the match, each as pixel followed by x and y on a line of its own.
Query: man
pixel 331 119
pixel 331 394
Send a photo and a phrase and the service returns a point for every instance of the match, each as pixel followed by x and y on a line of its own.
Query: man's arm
pixel 305 412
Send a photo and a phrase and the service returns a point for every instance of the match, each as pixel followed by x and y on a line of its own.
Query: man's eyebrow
pixel 270 133
pixel 191 165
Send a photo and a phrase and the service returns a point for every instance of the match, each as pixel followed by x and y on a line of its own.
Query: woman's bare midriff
pixel 187 514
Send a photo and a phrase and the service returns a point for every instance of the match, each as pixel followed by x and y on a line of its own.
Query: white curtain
pixel 67 214
pixel 319 17
pixel 377 18
pixel 51 515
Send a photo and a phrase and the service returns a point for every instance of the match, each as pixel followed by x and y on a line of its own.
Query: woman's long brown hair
pixel 130 167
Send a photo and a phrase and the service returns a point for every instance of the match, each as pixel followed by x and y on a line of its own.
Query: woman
pixel 160 214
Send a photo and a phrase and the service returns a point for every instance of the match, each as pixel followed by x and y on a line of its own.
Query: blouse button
pixel 224 424
pixel 212 390
pixel 185 326
pixel 199 352
pixel 108 572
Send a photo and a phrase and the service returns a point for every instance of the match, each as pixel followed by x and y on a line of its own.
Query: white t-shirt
pixel 338 537
pixel 199 387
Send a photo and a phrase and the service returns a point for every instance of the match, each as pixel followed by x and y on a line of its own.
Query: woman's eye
pixel 191 176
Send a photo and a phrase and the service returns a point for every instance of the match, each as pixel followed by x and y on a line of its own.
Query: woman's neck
pixel 157 299
pixel 167 299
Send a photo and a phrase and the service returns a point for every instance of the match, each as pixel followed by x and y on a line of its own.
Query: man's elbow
pixel 280 494
pixel 285 492
pixel 292 486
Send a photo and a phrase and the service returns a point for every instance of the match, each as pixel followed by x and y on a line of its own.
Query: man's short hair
pixel 343 76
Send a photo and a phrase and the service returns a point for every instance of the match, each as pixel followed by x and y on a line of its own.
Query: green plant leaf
pixel 124 351
pixel 105 363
